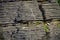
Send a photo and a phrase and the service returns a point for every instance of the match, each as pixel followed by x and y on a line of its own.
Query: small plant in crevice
pixel 47 31
pixel 58 25
pixel 45 27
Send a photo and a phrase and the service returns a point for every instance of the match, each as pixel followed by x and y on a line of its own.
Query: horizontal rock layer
pixel 52 10
pixel 22 10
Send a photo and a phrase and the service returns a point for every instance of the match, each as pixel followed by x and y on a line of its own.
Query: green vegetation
pixel 58 2
pixel 58 25
pixel 45 27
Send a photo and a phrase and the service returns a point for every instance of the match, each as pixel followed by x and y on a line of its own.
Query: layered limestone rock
pixel 27 10
pixel 23 32
pixel 52 10
pixel 21 10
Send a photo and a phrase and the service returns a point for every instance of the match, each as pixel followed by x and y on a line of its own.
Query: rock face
pixel 52 10
pixel 23 32
pixel 22 10
pixel 28 10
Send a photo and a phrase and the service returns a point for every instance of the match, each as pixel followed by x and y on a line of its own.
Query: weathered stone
pixel 26 10
pixel 52 10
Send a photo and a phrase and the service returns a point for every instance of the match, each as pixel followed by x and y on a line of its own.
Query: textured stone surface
pixel 22 10
pixel 52 10
pixel 20 32
pixel 27 10
pixel 31 32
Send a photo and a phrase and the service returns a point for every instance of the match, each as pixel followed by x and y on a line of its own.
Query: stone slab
pixel 26 10
pixel 52 10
